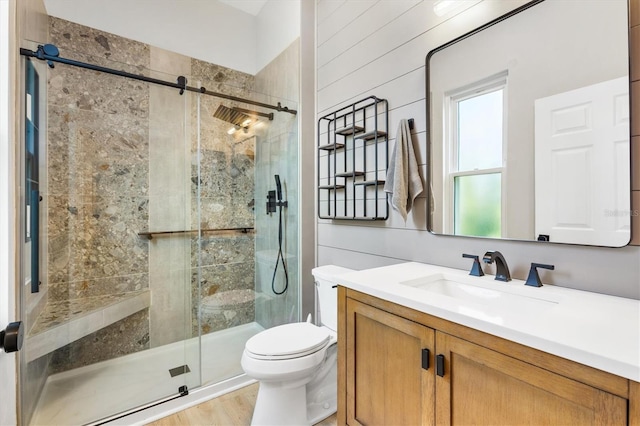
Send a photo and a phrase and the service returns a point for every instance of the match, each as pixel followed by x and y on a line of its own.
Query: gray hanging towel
pixel 403 175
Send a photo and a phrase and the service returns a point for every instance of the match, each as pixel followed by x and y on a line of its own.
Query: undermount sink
pixel 454 287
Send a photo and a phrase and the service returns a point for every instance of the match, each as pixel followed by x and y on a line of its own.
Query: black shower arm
pixel 180 85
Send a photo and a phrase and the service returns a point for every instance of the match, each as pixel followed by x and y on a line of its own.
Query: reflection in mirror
pixel 529 126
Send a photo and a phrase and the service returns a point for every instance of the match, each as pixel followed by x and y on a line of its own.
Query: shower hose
pixel 280 258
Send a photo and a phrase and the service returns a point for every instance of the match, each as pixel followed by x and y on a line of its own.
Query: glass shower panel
pixel 110 328
pixel 223 287
pixel 278 237
pixel 237 162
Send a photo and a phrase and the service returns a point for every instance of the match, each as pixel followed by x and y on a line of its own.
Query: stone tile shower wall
pixel 99 169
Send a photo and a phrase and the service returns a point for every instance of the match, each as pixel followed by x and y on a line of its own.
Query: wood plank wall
pixel 370 47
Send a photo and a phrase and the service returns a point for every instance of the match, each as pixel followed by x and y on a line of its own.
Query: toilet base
pixel 299 402
pixel 279 405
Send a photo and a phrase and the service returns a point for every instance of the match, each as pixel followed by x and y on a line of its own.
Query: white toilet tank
pixel 326 278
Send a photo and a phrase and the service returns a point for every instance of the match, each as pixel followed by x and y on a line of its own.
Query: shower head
pixel 231 115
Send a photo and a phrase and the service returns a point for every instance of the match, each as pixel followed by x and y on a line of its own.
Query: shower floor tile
pixel 107 388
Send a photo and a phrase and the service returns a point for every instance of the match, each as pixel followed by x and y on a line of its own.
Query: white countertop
pixel 597 330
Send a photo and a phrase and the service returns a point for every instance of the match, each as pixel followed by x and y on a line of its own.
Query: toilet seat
pixel 287 341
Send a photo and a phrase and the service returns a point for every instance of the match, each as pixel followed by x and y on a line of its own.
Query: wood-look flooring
pixel 232 409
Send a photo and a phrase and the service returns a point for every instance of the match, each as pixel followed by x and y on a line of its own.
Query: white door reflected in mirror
pixel 582 165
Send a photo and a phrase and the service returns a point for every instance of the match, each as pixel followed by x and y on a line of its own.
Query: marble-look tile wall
pixel 98 167
pixel 123 158
pixel 98 164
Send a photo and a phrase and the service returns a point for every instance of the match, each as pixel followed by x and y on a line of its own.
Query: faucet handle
pixel 534 279
pixel 476 269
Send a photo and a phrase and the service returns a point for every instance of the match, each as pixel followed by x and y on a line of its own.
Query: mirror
pixel 529 126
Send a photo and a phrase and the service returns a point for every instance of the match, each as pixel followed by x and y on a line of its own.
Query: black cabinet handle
pixel 425 358
pixel 440 365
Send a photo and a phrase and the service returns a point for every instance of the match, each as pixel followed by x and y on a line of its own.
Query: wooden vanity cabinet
pixel 388 375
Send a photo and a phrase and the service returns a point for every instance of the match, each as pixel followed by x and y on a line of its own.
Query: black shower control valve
pixel 271 202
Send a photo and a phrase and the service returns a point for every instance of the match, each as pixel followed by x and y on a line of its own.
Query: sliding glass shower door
pixel 150 256
pixel 109 324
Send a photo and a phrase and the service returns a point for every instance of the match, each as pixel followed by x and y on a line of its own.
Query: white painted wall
pixel 278 25
pixel 204 29
pixel 368 47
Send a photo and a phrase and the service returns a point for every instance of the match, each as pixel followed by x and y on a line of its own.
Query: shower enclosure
pixel 150 257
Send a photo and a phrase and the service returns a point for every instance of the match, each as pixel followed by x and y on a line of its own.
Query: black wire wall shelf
pixel 352 161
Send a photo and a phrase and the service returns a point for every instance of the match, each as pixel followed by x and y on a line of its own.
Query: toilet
pixel 296 364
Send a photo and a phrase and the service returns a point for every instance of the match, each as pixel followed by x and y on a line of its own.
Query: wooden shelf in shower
pixel 61 323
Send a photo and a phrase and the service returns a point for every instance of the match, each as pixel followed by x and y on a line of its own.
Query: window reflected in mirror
pixel 475 143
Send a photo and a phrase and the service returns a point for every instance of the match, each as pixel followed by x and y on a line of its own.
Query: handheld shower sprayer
pixel 271 207
pixel 278 187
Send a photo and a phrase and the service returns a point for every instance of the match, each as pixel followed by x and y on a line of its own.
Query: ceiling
pixel 244 35
pixel 249 6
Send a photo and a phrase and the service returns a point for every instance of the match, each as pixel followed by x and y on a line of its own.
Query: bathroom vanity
pixel 422 344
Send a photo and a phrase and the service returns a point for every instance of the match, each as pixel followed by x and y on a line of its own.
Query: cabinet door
pixel 481 386
pixel 386 383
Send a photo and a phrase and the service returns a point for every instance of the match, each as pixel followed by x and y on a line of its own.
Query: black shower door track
pixel 181 83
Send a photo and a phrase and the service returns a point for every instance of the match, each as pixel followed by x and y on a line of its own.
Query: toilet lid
pixel 288 341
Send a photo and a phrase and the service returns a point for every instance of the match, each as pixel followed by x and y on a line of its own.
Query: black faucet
pixel 502 270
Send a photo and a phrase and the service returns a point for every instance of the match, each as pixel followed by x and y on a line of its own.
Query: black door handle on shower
pixel 11 337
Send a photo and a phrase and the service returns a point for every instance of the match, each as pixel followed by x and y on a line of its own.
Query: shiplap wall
pixel 378 47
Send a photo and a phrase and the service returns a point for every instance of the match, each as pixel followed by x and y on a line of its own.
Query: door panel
pixel 389 385
pixel 484 386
